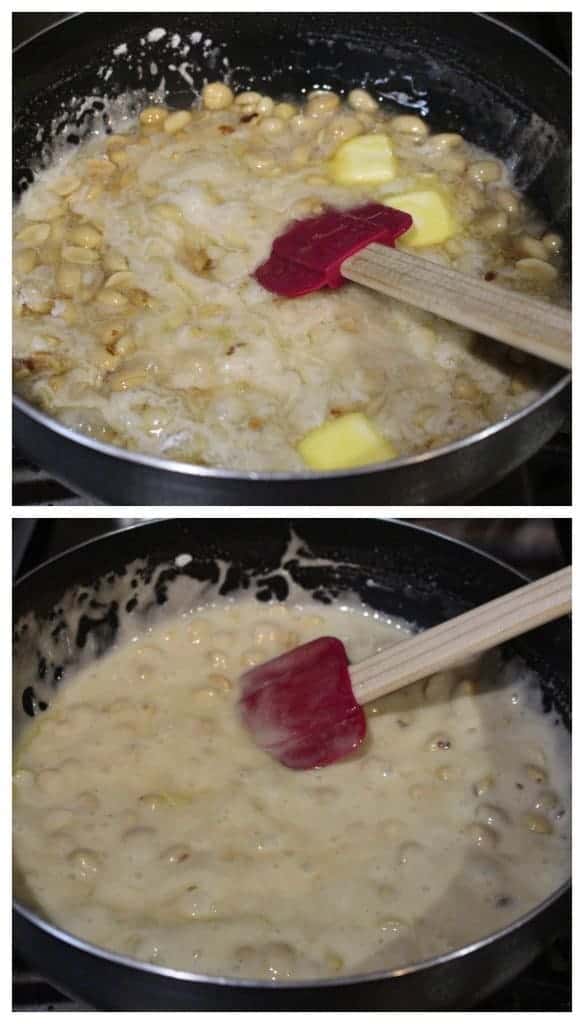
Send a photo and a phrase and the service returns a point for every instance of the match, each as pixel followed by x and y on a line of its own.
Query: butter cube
pixel 345 441
pixel 364 160
pixel 433 219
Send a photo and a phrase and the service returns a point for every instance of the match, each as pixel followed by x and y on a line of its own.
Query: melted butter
pixel 148 822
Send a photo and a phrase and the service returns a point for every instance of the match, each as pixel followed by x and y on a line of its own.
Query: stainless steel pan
pixel 410 572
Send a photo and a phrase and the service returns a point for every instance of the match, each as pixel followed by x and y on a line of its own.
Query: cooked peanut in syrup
pixel 148 822
pixel 138 321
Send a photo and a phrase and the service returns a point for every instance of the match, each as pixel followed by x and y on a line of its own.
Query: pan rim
pixel 393 520
pixel 186 469
pixel 248 983
pixel 225 981
pixel 476 14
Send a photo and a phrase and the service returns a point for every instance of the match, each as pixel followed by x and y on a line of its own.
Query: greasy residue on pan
pixel 172 60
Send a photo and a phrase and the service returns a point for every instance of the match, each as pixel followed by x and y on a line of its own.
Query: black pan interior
pixel 405 571
pixel 465 72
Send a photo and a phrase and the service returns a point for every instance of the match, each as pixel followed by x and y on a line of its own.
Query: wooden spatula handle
pixel 466 635
pixel 528 324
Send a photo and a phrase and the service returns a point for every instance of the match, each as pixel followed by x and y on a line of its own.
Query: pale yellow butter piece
pixel 433 219
pixel 350 440
pixel 364 160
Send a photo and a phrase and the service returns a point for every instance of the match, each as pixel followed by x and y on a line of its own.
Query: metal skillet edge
pixel 162 519
pixel 526 39
pixel 42 31
pixel 319 983
pixel 193 470
pixel 486 17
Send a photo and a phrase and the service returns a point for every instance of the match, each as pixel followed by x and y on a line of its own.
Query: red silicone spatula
pixel 305 707
pixel 358 245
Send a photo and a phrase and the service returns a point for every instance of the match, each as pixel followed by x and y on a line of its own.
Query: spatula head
pixel 300 707
pixel 309 254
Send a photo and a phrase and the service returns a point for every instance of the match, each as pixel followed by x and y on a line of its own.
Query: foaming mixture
pixel 138 321
pixel 148 822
